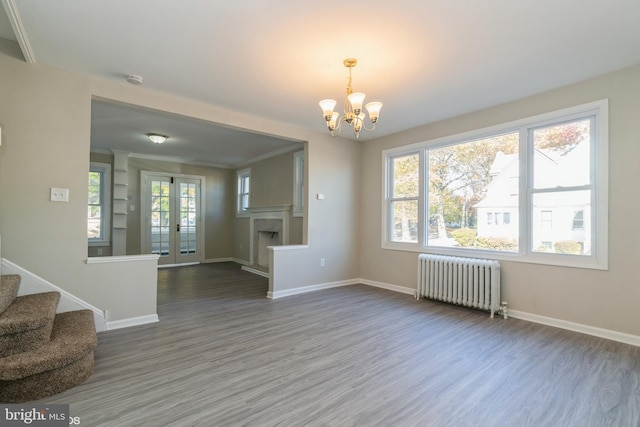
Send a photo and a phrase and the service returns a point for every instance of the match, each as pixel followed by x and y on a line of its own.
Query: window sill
pixel 556 260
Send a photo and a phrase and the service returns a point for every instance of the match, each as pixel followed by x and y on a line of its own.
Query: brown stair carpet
pixel 64 362
pixel 27 323
pixel 9 285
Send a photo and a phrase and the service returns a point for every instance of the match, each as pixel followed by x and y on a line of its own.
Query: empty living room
pixel 336 214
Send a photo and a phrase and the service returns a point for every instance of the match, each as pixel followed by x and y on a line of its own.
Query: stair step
pixel 9 285
pixel 27 323
pixel 64 362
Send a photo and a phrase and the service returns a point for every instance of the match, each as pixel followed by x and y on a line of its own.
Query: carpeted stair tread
pixel 9 285
pixel 72 338
pixel 29 312
pixel 27 323
pixel 48 383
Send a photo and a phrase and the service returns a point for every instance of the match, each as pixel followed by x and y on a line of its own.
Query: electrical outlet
pixel 322 262
pixel 59 195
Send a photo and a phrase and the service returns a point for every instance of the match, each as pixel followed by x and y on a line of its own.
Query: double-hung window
pixel 244 180
pixel 534 190
pixel 99 206
pixel 404 197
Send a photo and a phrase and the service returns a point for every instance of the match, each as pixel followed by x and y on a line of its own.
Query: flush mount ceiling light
pixel 353 114
pixel 157 138
pixel 134 80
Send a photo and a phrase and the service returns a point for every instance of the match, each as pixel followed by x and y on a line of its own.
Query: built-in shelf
pixel 120 201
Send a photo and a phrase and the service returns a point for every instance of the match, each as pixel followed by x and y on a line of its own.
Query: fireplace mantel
pixel 279 213
pixel 268 209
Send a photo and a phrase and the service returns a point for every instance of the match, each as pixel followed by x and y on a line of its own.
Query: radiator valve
pixel 504 310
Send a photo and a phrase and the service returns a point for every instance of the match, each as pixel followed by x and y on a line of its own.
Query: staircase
pixel 41 353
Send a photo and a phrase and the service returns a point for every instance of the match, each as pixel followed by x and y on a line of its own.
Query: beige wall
pixel 333 169
pixel 45 116
pixel 603 299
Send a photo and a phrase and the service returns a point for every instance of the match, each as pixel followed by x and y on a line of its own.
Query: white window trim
pixel 239 175
pixel 105 214
pixel 600 194
pixel 298 184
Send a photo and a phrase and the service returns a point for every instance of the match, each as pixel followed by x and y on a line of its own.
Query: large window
pixel 244 179
pixel 533 190
pixel 99 212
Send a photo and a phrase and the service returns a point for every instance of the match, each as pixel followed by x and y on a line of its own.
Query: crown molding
pixel 18 29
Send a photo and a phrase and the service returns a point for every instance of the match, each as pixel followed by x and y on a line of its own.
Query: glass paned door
pixel 160 217
pixel 189 207
pixel 172 219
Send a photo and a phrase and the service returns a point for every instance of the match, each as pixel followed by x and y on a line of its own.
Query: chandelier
pixel 353 114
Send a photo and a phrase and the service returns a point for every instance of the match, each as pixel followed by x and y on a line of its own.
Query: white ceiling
pixel 425 60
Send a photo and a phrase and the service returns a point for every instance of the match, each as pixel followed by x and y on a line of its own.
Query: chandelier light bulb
pixel 327 106
pixel 374 110
pixel 356 100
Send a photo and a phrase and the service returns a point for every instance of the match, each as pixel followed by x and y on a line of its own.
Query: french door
pixel 171 210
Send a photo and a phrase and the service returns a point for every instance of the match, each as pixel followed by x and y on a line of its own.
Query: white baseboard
pixel 395 288
pixel 311 288
pixel 214 260
pixel 255 271
pixel 577 327
pixel 33 284
pixel 240 261
pixel 134 321
pixel 182 264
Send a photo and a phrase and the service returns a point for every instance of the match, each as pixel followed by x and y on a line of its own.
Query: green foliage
pixel 497 243
pixel 468 238
pixel 562 138
pixel 567 247
pixel 465 236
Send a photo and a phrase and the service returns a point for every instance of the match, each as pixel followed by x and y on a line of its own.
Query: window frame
pixel 104 169
pixel 598 186
pixel 241 211
pixel 298 184
pixel 387 210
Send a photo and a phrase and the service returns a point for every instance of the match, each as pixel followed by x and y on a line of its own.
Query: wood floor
pixel 224 355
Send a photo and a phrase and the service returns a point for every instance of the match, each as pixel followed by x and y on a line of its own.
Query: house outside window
pixel 99 204
pixel 578 220
pixel 506 218
pixel 244 180
pixel 534 190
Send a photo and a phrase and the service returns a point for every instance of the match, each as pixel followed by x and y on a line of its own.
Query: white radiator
pixel 465 281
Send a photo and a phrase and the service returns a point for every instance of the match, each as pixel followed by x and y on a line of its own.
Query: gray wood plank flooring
pixel 224 355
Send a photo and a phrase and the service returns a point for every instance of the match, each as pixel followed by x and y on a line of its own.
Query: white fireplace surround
pixel 280 213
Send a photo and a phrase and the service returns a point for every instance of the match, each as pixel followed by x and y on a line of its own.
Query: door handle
pixel 178 228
